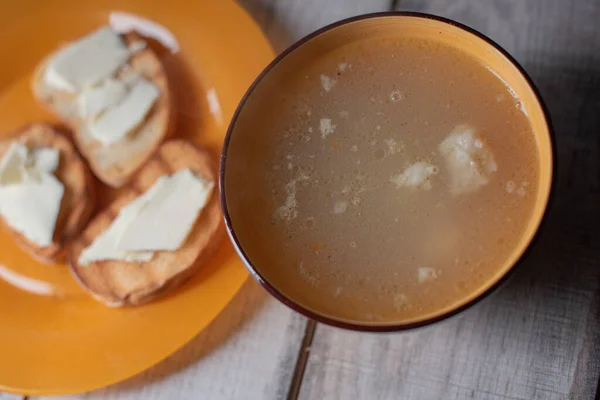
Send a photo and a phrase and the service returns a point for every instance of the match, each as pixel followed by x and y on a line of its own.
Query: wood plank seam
pixel 302 360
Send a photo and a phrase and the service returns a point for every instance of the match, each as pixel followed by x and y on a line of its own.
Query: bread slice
pixel 117 283
pixel 79 198
pixel 115 164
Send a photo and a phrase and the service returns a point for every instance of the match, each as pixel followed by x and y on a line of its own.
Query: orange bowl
pixel 331 38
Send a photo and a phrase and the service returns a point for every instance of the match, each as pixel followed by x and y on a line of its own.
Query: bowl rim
pixel 387 327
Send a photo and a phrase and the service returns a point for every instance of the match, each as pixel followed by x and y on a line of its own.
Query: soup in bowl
pixel 386 171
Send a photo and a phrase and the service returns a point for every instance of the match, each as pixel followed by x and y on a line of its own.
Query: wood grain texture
pixel 248 352
pixel 285 21
pixel 538 337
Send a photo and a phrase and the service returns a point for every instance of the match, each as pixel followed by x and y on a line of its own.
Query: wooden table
pixel 537 338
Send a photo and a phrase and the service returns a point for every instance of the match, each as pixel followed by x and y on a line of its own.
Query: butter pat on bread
pixel 52 167
pixel 145 273
pixel 112 91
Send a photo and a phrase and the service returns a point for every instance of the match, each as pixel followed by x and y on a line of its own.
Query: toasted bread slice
pixel 118 283
pixel 115 164
pixel 79 198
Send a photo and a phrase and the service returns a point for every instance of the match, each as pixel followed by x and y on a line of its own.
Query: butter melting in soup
pixel 400 176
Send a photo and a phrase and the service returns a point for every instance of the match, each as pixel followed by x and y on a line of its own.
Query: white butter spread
pixel 12 166
pixel 116 122
pixel 112 98
pixel 30 195
pixel 56 81
pixel 87 61
pixel 105 246
pixel 46 159
pixel 92 102
pixel 158 220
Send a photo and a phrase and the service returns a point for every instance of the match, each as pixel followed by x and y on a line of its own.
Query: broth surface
pixel 351 204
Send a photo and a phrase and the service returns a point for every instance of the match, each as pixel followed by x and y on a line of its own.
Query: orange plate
pixel 53 338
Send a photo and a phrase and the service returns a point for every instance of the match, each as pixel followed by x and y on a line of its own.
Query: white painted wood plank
pixel 499 350
pixel 248 352
pixel 8 396
pixel 538 337
pixel 285 21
